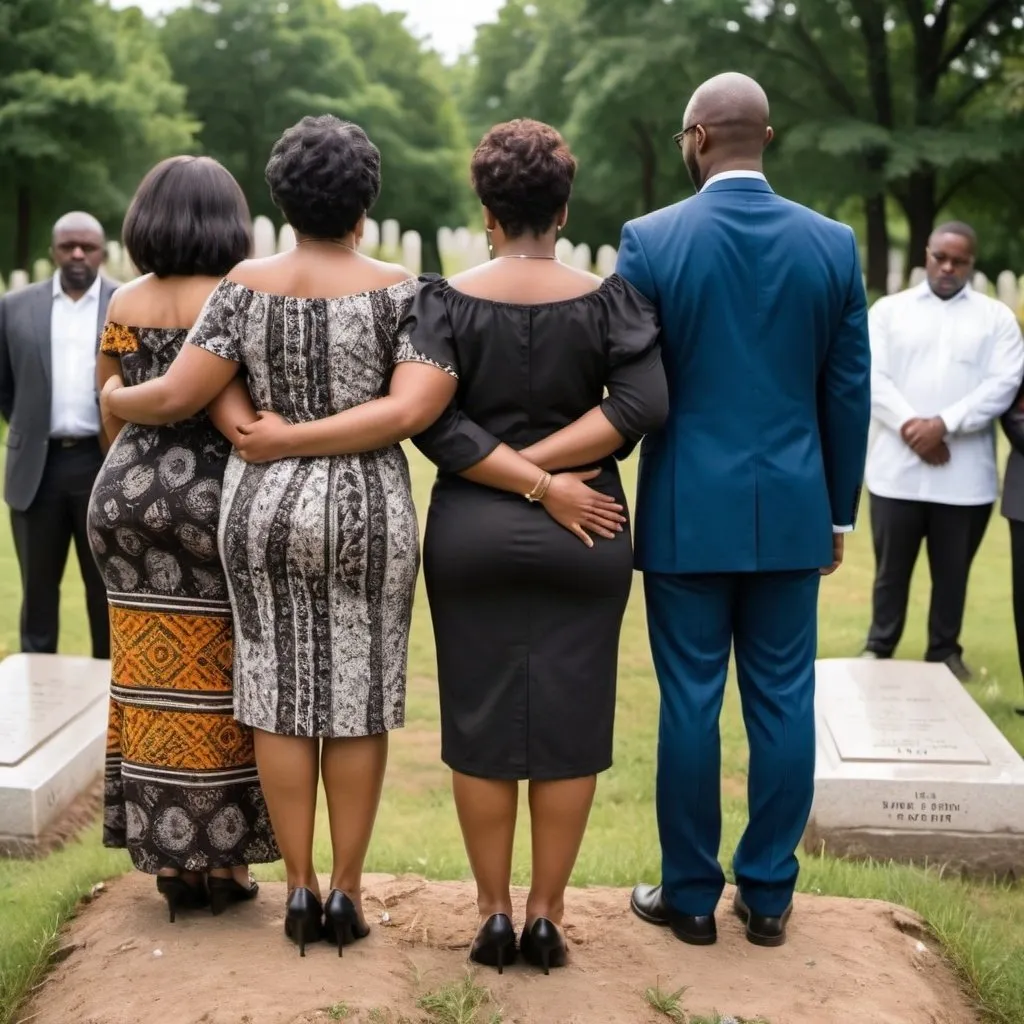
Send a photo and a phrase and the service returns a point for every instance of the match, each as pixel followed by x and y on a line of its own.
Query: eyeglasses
pixel 679 136
pixel 735 122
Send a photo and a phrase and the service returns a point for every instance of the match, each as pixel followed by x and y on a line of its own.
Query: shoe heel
pixel 219 901
pixel 341 921
pixel 543 945
pixel 303 919
pixel 174 890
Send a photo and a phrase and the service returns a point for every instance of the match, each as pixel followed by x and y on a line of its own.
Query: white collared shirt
pixel 961 359
pixel 74 411
pixel 726 175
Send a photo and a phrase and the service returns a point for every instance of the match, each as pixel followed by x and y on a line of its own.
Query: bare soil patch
pixel 846 962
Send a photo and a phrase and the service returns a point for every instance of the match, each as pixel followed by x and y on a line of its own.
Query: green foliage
pixel 87 105
pixel 907 107
pixel 254 67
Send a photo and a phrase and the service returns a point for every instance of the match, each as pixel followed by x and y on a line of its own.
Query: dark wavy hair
pixel 187 218
pixel 324 174
pixel 523 173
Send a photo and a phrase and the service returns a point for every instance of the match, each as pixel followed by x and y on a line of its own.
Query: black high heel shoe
pixel 179 894
pixel 542 945
pixel 341 921
pixel 303 919
pixel 225 891
pixel 495 943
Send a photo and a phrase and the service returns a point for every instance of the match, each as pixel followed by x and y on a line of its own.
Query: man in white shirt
pixel 946 363
pixel 48 340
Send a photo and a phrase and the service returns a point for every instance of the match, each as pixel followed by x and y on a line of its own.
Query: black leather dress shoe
pixel 762 930
pixel 649 905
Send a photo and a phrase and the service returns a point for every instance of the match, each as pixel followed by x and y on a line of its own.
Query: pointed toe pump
pixel 225 891
pixel 180 895
pixel 495 943
pixel 303 919
pixel 542 945
pixel 341 921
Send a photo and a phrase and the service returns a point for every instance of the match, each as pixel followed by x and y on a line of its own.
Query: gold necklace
pixel 523 256
pixel 328 241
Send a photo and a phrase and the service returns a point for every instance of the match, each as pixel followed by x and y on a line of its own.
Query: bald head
pixel 729 99
pixel 725 127
pixel 79 248
pixel 77 221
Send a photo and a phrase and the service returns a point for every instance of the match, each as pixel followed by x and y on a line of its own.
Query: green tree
pixel 415 123
pixel 898 99
pixel 87 105
pixel 254 67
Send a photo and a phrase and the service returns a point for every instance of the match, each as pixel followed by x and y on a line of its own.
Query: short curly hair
pixel 523 173
pixel 324 174
pixel 187 218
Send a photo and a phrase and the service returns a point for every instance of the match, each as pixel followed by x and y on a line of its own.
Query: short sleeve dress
pixel 526 618
pixel 321 554
pixel 181 787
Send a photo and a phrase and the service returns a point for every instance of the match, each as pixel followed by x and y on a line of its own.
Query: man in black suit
pixel 49 335
pixel 1013 509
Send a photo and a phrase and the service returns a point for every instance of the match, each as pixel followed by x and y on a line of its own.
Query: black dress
pixel 526 618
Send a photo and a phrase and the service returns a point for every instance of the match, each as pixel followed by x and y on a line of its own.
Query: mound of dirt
pixel 846 962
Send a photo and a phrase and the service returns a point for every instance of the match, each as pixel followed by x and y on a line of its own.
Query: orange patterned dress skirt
pixel 181 787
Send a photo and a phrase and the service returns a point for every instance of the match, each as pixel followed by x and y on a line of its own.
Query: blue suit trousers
pixel 694 620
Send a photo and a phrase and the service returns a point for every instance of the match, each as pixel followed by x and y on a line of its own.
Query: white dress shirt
pixel 961 359
pixel 74 410
pixel 726 175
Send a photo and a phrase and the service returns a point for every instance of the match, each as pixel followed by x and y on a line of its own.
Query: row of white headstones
pixel 462 248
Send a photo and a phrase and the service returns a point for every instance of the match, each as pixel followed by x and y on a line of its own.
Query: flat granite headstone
pixel 909 768
pixel 53 725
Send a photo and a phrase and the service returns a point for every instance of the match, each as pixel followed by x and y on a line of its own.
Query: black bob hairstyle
pixel 188 218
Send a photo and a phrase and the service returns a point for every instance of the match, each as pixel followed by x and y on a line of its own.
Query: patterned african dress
pixel 321 554
pixel 181 788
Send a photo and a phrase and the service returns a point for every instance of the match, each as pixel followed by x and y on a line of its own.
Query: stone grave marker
pixel 909 768
pixel 53 725
pixel 606 257
pixel 264 237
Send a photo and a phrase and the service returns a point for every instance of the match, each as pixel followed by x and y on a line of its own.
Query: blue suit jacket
pixel 765 344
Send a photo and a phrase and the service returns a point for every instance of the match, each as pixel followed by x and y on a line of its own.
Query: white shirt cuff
pixel 841 529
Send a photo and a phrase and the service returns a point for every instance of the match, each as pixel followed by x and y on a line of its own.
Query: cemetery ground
pixel 854 954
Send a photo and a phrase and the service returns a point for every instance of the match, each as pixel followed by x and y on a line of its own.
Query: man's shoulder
pixel 29 294
pixel 657 220
pixel 828 226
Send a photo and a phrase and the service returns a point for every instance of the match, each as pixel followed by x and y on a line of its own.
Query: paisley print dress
pixel 181 788
pixel 321 554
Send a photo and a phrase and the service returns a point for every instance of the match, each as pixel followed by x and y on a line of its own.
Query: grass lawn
pixel 981 926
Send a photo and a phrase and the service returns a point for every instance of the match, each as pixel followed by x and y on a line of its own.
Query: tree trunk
pixel 878 243
pixel 648 165
pixel 23 229
pixel 919 201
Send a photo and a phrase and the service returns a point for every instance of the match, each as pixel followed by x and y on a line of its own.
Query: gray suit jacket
pixel 26 384
pixel 1013 483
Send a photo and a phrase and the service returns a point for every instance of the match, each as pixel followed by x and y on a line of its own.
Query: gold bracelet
pixel 540 488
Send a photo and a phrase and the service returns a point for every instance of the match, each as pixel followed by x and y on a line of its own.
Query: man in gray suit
pixel 49 334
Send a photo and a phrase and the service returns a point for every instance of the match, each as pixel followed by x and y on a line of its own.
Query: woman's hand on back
pixel 267 439
pixel 579 508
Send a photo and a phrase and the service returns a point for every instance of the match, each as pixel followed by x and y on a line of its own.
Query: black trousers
pixel 952 534
pixel 1017 573
pixel 43 534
